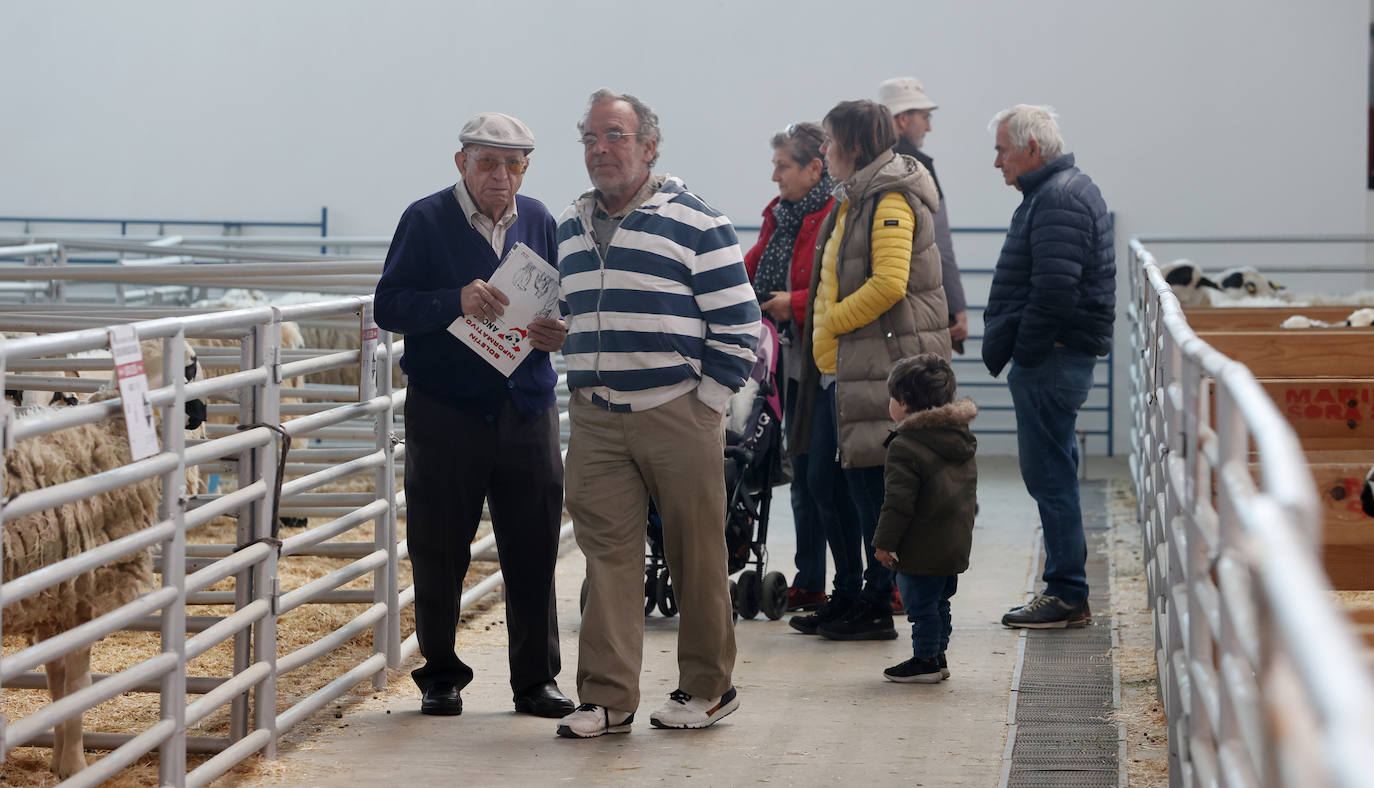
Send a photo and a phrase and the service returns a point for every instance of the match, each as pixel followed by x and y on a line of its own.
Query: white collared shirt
pixel 495 232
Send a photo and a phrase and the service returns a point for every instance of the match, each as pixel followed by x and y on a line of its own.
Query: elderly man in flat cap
pixel 472 434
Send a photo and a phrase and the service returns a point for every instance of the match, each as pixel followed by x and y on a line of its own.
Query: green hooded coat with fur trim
pixel 930 493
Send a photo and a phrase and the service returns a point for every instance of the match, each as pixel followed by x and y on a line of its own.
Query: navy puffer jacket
pixel 1056 277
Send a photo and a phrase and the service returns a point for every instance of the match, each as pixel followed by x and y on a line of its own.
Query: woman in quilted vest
pixel 779 265
pixel 875 297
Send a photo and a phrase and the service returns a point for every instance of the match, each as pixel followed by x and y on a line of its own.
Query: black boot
pixel 864 621
pixel 832 610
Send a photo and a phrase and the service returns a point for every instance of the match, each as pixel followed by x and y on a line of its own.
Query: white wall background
pixel 1215 116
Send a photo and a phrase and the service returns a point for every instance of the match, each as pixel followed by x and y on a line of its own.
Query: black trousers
pixel 454 461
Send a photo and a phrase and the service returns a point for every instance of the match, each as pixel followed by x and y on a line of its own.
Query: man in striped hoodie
pixel 662 327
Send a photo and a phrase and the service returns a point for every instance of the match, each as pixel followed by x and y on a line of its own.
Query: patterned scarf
pixel 776 261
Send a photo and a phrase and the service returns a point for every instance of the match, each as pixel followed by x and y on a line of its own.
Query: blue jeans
pixel 926 600
pixel 1047 399
pixel 810 556
pixel 866 489
pixel 832 497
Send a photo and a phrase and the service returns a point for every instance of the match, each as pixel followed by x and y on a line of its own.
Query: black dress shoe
pixel 544 700
pixel 441 699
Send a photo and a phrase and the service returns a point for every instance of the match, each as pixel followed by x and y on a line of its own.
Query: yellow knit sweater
pixel 894 225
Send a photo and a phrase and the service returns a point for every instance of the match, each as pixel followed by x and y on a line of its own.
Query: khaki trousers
pixel 615 462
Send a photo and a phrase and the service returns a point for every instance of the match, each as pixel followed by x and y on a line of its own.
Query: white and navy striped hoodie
pixel 668 310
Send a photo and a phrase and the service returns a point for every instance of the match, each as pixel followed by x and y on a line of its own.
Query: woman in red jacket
pixel 779 265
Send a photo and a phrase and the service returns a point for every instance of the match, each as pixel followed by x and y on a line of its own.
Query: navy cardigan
pixel 1055 281
pixel 433 255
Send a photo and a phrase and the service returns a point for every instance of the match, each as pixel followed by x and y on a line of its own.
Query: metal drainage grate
pixel 1064 736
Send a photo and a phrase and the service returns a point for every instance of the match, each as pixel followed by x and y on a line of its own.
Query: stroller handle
pixel 739 454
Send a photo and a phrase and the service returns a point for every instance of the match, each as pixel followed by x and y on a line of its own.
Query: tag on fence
pixel 133 391
pixel 367 374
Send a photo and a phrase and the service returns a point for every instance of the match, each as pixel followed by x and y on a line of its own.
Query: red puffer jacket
pixel 803 253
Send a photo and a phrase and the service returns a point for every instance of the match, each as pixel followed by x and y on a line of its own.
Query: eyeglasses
pixel 612 137
pixel 804 130
pixel 513 166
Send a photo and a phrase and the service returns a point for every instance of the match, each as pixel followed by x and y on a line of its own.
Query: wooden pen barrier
pixel 1322 380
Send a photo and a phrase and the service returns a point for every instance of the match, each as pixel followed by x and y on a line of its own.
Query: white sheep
pixel 1188 283
pixel 29 398
pixel 321 337
pixel 1246 283
pixel 46 537
pixel 290 339
pixel 1361 318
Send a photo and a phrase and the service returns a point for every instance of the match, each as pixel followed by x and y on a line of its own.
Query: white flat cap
pixel 496 130
pixel 902 94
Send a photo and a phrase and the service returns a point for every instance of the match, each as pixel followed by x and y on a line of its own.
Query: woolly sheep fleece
pixel 42 538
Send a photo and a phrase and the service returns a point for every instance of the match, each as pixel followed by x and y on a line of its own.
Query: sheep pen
pixel 133 712
pixel 137 711
pixel 64 531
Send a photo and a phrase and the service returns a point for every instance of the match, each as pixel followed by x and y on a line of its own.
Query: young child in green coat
pixel 930 488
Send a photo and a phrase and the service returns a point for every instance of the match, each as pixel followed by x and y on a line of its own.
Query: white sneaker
pixel 683 711
pixel 589 721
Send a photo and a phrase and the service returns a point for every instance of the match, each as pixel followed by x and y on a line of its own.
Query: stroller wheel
pixel 667 605
pixel 774 595
pixel 750 594
pixel 734 600
pixel 651 589
pixel 582 598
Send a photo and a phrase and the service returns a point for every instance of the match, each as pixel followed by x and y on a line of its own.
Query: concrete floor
pixel 812 711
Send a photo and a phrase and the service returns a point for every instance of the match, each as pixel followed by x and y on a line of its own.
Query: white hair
pixel 1026 122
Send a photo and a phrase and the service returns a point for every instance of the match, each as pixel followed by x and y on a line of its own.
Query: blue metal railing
pixel 228 226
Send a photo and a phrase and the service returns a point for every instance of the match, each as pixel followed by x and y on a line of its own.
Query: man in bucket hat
pixel 906 99
pixel 473 434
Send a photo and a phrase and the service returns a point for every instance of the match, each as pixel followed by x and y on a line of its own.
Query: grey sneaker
pixel 683 711
pixel 589 721
pixel 1048 612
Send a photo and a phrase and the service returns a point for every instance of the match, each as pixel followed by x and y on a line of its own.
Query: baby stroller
pixel 753 464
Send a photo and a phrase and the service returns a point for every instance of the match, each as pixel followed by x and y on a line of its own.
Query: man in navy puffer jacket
pixel 1050 313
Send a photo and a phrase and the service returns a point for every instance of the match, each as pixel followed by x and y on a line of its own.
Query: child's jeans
pixel 926 600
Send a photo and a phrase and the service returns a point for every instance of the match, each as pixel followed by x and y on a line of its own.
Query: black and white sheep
pixel 36 540
pixel 1188 283
pixel 1367 493
pixel 1246 282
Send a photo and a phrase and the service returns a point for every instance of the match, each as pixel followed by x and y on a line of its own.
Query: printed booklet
pixel 531 284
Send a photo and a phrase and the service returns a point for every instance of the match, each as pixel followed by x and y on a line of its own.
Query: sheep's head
pixel 1242 282
pixel 1361 318
pixel 152 367
pixel 1187 281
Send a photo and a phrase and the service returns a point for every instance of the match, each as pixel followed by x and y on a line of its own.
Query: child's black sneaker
pixel 832 610
pixel 944 665
pixel 915 671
